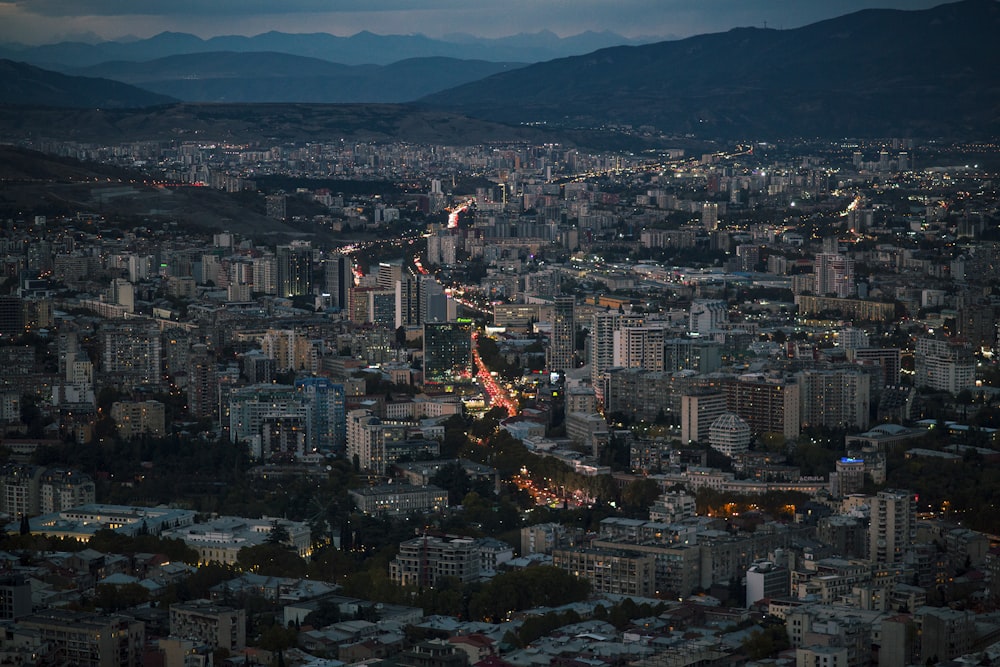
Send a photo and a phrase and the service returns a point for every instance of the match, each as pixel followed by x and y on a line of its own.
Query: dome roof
pixel 730 421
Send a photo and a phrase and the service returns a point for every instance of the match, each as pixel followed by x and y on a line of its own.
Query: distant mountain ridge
pixel 362 48
pixel 875 72
pixel 281 77
pixel 25 85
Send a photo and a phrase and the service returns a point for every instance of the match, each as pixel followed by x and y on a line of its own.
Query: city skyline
pixel 51 21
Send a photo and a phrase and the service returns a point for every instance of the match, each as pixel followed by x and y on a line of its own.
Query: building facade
pixel 610 571
pixel 563 341
pixel 425 560
pixel 216 625
pixel 892 527
pixel 448 353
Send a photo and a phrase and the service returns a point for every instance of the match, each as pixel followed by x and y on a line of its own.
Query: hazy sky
pixel 43 21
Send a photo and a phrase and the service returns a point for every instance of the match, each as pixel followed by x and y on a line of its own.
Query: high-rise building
pixel 448 353
pixel 132 350
pixel 851 338
pixel 639 347
pixel 11 315
pixel 835 398
pixel 122 292
pixel 258 368
pixel 265 274
pixel 892 527
pixel 702 356
pixel 410 308
pixel 946 633
pixel 294 264
pixel 748 256
pixel 849 477
pixel 202 385
pixel 257 408
pixel 338 279
pixel 602 345
pixel 240 285
pixel 382 308
pixel 563 341
pixel 768 405
pixel 328 430
pixel 290 349
pixel 389 273
pixel 699 409
pixel 707 315
pixel 710 216
pixel 943 365
pixel 977 323
pixel 435 305
pixel 372 444
pixel 834 275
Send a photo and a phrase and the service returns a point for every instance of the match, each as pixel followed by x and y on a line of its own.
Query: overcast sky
pixel 44 21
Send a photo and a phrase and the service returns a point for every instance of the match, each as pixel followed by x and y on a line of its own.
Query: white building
pixel 767 580
pixel 221 539
pixel 707 315
pixel 892 527
pixel 729 435
pixel 699 410
pixel 639 347
pixel 834 275
pixel 943 365
pixel 673 507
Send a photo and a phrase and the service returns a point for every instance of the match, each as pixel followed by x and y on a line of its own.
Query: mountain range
pixel 929 73
pixel 364 48
pixel 875 72
pixel 281 77
pixel 23 84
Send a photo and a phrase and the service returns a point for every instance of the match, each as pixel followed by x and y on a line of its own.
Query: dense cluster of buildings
pixel 655 305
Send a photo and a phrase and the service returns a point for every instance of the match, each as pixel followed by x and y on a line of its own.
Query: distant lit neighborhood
pixel 507 406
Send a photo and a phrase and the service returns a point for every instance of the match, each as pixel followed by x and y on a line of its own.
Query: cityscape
pixel 619 395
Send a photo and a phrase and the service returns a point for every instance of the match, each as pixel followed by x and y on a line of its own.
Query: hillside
pixel 279 77
pixel 57 186
pixel 23 84
pixel 359 49
pixel 266 123
pixel 874 72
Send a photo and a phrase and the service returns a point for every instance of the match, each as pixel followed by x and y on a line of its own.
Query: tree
pixel 488 423
pixel 278 533
pixel 112 598
pixel 766 642
pixel 640 494
pixel 277 638
pixel 453 479
pixel 271 560
pixel 543 586
pixel 327 613
pixel 964 398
